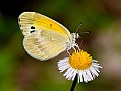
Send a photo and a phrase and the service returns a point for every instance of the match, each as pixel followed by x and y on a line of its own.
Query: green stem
pixel 74 83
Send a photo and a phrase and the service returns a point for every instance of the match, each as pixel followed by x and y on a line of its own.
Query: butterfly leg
pixel 74 48
pixel 76 45
pixel 68 52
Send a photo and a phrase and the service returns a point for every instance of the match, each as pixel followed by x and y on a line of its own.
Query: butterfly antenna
pixel 78 26
pixel 85 32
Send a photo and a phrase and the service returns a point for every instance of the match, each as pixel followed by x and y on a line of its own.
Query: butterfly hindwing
pixel 43 48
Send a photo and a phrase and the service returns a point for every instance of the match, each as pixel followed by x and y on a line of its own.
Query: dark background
pixel 21 72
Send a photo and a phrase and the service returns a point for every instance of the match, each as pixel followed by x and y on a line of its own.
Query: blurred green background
pixel 21 72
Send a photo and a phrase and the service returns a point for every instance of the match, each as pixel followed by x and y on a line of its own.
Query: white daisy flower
pixel 80 63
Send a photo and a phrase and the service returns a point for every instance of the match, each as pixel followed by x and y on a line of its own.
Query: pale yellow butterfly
pixel 44 38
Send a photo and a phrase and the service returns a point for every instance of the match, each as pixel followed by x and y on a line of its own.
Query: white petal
pixel 89 78
pixel 94 72
pixel 68 71
pixel 96 65
pixel 64 68
pixel 80 76
pixel 85 76
pixel 95 61
pixel 63 65
pixel 74 74
pixel 69 76
pixel 97 69
pixel 89 74
pixel 64 60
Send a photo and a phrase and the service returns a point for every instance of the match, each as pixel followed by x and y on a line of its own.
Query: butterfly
pixel 44 38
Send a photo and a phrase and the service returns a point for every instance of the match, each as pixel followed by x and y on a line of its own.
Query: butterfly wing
pixel 44 38
pixel 33 20
pixel 43 47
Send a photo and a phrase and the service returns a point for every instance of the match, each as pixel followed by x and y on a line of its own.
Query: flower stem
pixel 74 83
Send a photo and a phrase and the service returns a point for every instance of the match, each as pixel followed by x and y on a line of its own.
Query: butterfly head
pixel 72 42
pixel 75 36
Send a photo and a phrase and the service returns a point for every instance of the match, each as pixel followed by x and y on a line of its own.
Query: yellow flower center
pixel 80 60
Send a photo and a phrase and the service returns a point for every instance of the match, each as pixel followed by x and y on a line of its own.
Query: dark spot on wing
pixel 32 31
pixel 19 25
pixel 32 27
pixel 50 25
pixel 18 19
